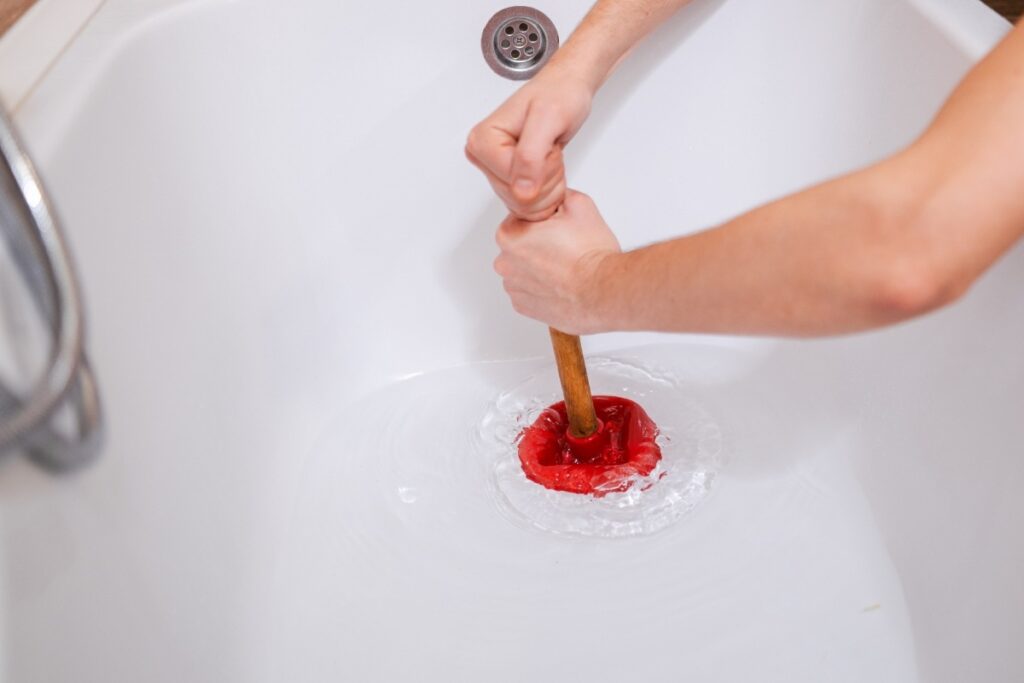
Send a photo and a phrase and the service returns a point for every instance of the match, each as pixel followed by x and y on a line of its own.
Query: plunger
pixel 572 373
pixel 587 444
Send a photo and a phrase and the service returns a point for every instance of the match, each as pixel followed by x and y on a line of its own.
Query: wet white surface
pixel 690 440
pixel 398 520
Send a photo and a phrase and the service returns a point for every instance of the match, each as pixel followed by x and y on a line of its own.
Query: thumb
pixel 575 202
pixel 536 142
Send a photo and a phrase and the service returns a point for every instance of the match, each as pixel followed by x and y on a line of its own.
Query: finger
pixel 547 201
pixel 491 149
pixel 550 186
pixel 548 206
pixel 501 189
pixel 552 175
pixel 537 141
pixel 524 305
pixel 514 290
pixel 545 206
pixel 575 201
pixel 510 229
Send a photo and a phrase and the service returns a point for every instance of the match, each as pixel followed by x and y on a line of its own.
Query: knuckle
pixel 576 197
pixel 505 229
pixel 528 157
pixel 473 140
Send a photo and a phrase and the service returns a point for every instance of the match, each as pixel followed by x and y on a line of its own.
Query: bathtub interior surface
pixel 279 238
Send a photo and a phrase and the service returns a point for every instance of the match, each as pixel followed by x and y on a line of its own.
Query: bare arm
pixel 875 247
pixel 607 34
pixel 519 146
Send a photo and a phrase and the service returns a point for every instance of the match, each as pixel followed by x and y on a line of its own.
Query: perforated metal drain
pixel 518 41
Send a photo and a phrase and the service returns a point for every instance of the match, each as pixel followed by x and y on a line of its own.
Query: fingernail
pixel 524 186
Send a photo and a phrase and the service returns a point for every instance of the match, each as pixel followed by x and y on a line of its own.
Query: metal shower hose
pixel 29 226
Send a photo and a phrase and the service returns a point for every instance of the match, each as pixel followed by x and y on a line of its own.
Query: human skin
pixel 519 146
pixel 874 247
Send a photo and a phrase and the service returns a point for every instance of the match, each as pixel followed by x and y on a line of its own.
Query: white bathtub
pixel 274 223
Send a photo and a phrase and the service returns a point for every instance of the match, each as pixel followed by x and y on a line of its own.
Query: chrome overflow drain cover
pixel 518 41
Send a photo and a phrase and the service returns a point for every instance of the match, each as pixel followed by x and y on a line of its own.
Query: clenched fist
pixel 552 269
pixel 519 146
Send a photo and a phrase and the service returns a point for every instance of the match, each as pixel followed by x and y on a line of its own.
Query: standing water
pixel 417 549
pixel 689 438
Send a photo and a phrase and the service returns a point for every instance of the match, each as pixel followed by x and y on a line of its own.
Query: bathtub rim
pixel 52 57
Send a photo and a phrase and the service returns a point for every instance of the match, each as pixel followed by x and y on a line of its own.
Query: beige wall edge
pixel 32 44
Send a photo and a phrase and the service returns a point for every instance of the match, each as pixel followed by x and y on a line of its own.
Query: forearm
pixel 878 246
pixel 875 247
pixel 836 258
pixel 607 33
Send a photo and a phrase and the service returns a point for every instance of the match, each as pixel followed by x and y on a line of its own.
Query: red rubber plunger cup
pixel 584 444
pixel 610 460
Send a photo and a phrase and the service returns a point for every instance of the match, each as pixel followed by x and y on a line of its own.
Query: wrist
pixel 603 299
pixel 575 61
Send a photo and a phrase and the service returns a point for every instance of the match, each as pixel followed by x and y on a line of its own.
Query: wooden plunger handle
pixel 572 372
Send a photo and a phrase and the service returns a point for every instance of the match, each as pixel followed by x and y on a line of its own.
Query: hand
pixel 552 269
pixel 519 146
